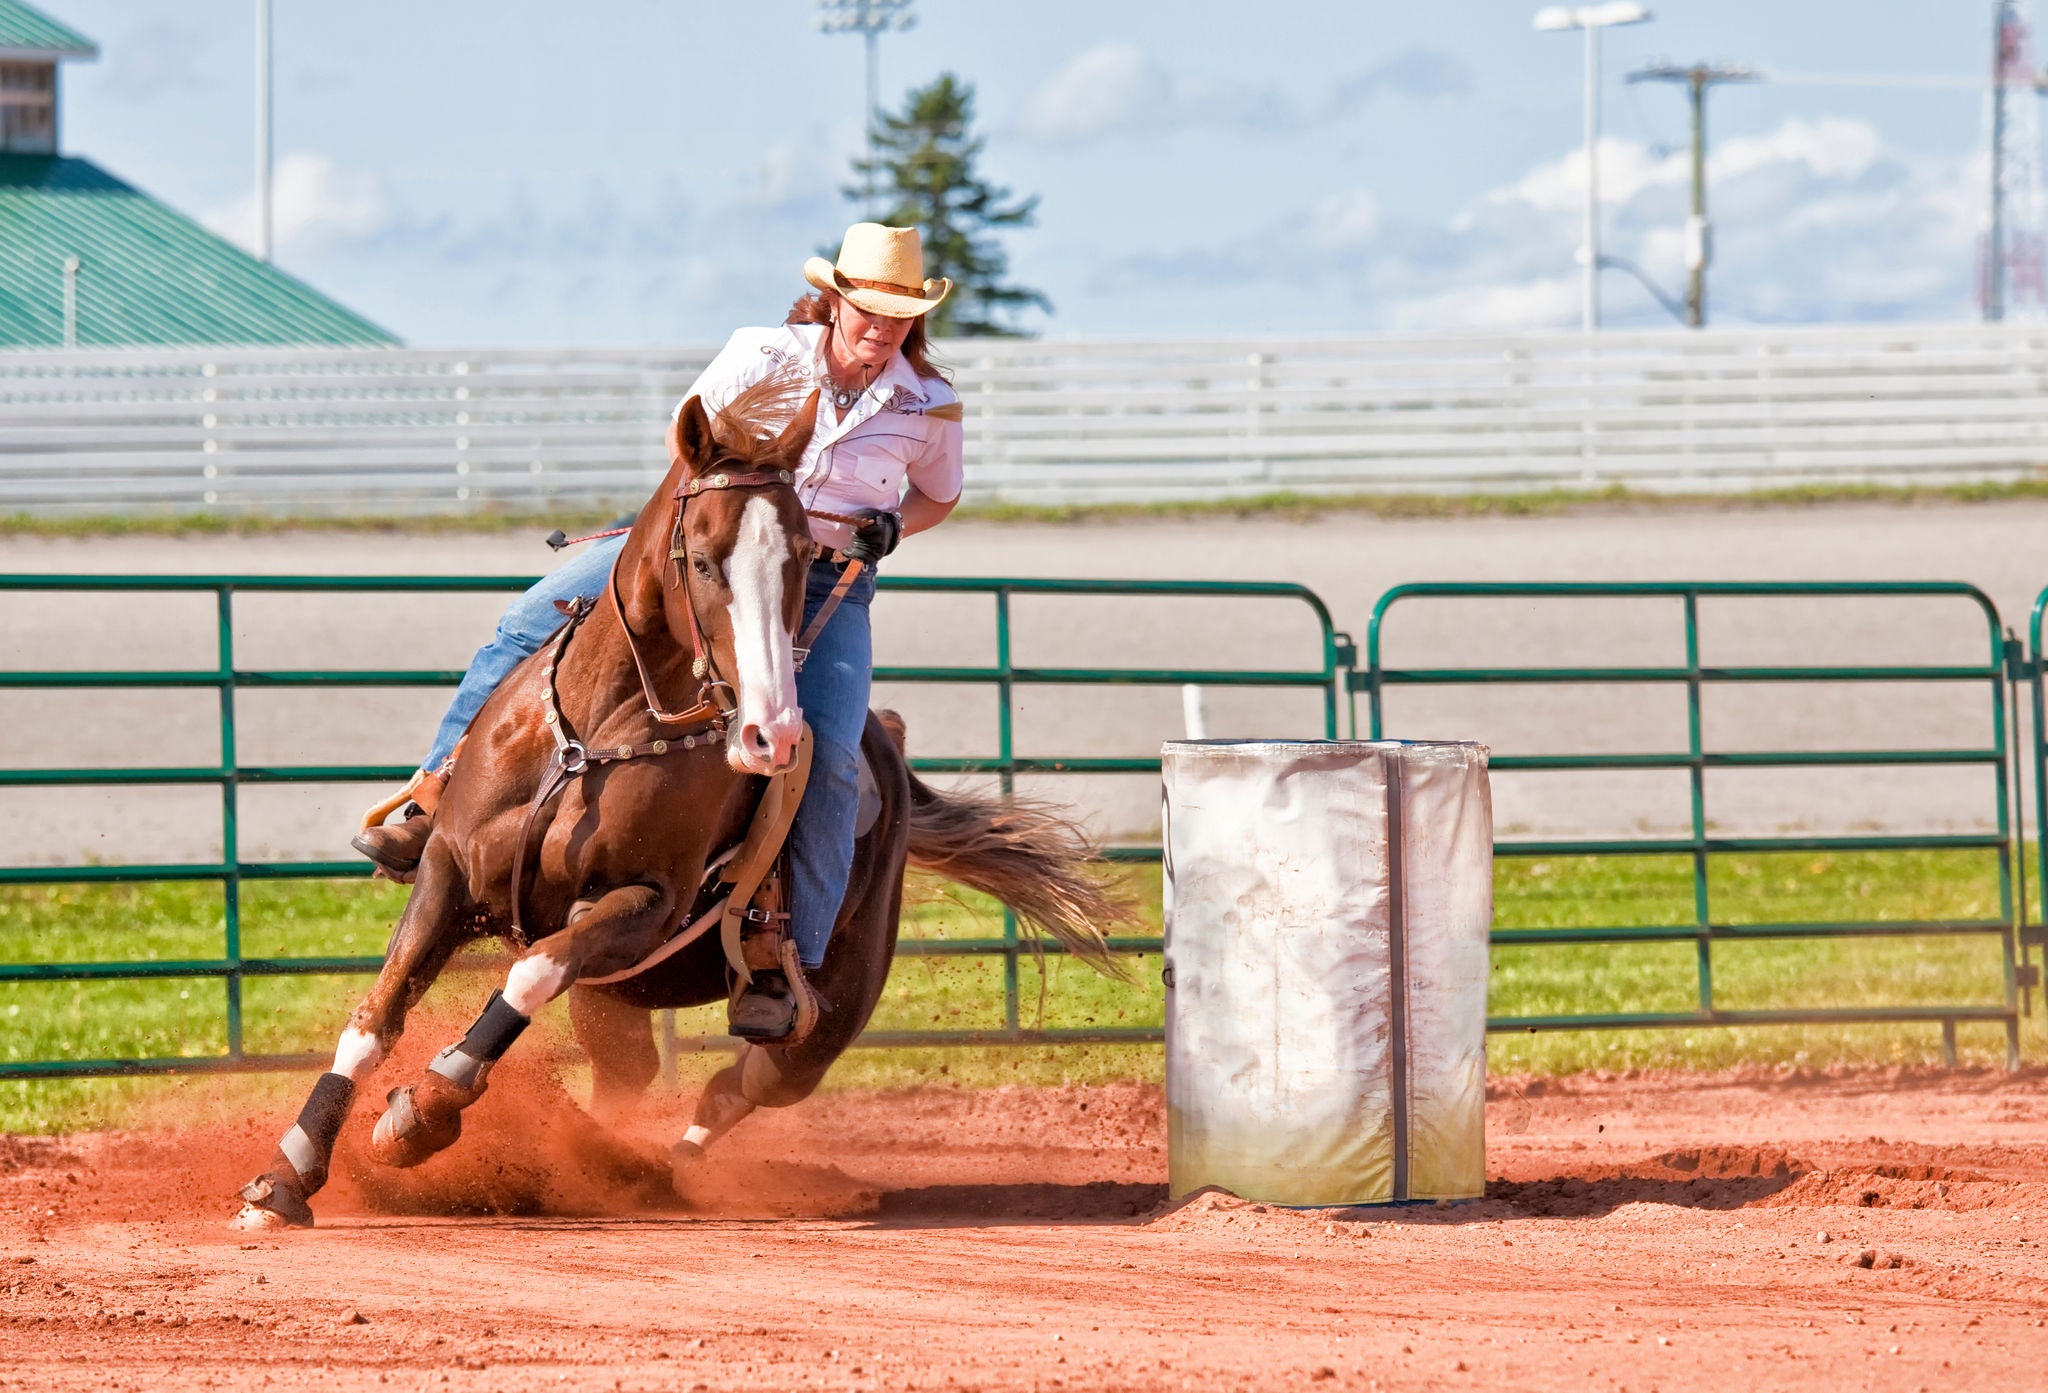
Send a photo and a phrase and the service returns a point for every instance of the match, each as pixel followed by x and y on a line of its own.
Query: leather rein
pixel 570 757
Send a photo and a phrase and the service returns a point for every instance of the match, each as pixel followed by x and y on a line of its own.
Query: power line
pixel 1927 80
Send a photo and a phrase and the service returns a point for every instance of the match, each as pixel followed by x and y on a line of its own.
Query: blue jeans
pixel 832 689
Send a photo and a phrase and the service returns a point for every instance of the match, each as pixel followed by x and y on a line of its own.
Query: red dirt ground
pixel 1666 1232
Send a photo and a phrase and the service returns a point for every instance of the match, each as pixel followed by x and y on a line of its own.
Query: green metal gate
pixel 2028 668
pixel 1695 676
pixel 1324 674
pixel 1330 672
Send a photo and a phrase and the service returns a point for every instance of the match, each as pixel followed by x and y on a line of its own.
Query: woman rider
pixel 886 451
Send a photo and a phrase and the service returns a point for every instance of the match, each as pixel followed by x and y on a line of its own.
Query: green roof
pixel 24 31
pixel 148 274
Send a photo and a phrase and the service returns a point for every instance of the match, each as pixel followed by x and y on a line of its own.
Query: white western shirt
pixel 864 458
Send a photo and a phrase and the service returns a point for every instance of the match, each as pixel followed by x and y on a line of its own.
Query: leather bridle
pixel 715 696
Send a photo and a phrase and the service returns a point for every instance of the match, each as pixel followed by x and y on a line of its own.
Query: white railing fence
pixel 416 431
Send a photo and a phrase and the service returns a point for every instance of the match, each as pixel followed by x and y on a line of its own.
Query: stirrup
pixel 787 971
pixel 422 788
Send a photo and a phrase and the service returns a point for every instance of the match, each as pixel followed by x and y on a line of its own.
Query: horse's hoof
pixel 403 1138
pixel 686 1167
pixel 268 1205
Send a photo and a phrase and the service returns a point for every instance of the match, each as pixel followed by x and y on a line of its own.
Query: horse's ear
pixel 690 443
pixel 789 446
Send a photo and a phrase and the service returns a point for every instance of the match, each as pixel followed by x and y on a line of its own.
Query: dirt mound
pixel 1723 1163
pixel 1912 1187
pixel 1218 1212
pixel 1706 1177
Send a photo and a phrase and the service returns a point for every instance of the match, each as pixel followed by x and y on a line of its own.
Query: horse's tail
pixel 1031 855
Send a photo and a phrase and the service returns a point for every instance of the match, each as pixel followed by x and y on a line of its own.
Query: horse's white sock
pixel 357 1054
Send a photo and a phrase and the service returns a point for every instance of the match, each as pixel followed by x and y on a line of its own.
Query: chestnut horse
pixel 588 850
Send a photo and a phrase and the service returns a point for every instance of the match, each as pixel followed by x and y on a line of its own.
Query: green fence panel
pixel 2028 667
pixel 1326 673
pixel 1694 676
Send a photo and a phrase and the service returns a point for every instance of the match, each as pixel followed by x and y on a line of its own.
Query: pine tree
pixel 922 170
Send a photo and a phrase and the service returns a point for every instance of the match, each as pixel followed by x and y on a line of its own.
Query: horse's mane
pixel 747 426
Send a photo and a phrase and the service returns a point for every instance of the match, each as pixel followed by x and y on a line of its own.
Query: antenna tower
pixel 2014 285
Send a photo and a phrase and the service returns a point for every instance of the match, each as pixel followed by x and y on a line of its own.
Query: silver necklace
pixel 843 398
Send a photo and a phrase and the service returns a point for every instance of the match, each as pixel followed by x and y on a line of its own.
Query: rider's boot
pixel 765 1009
pixel 778 1006
pixel 396 847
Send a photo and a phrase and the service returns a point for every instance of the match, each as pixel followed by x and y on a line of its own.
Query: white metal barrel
pixel 1327 909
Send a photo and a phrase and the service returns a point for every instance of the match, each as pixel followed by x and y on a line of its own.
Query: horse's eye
pixel 701 564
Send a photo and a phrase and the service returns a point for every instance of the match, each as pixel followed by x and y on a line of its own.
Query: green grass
pixel 186 1016
pixel 1282 505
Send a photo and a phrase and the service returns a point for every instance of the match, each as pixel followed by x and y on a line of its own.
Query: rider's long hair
pixel 820 306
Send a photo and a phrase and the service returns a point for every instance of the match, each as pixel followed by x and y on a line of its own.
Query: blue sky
pixel 643 171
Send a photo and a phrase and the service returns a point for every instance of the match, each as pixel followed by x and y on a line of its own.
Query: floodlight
pixel 1554 17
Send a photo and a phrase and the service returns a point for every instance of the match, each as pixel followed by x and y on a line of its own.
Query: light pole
pixel 1591 19
pixel 263 129
pixel 869 19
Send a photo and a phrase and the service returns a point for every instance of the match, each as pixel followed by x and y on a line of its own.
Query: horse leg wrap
pixel 310 1143
pixel 467 1063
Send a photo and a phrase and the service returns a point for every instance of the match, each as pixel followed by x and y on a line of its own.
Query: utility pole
pixel 263 129
pixel 1591 19
pixel 1699 233
pixel 869 19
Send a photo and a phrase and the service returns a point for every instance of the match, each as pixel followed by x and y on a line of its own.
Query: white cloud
pixel 1559 186
pixel 1104 89
pixel 1520 305
pixel 316 206
pixel 1117 89
pixel 1815 220
pixel 1347 219
pixel 1829 148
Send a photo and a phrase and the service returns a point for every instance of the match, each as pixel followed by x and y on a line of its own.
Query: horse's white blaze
pixel 769 722
pixel 533 982
pixel 357 1054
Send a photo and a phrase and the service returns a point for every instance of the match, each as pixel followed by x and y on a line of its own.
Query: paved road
pixel 1348 560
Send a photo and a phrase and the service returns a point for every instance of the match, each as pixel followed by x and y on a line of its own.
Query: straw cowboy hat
pixel 880 271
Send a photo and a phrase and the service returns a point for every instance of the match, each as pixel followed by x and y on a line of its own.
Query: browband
pixel 748 479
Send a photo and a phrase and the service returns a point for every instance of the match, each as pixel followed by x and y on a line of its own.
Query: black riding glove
pixel 874 536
